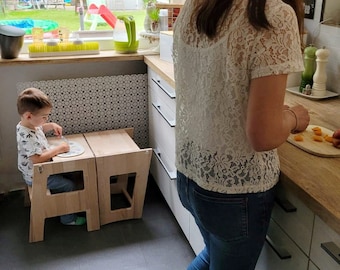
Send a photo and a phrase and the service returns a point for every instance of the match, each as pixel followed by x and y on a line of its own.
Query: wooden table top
pixel 78 138
pixel 111 142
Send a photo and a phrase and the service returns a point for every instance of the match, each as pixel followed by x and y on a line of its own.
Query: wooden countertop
pixel 165 69
pixel 315 180
pixel 24 59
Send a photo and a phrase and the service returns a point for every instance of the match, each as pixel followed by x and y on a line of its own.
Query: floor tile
pixel 154 242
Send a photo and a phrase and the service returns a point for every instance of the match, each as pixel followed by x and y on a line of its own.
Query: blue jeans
pixel 233 226
pixel 57 183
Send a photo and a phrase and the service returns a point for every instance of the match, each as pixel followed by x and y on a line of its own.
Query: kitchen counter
pixel 315 180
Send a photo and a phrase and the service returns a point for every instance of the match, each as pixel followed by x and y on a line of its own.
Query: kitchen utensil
pixel 322 149
pixel 124 35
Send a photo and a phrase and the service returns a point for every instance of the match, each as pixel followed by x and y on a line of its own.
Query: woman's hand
pixel 301 116
pixel 336 138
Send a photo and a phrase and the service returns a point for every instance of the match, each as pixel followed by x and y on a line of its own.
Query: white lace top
pixel 212 82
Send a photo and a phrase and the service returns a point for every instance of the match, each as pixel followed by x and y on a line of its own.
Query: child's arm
pixel 58 130
pixel 47 155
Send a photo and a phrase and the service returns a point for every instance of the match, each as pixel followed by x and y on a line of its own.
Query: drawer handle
pixel 333 250
pixel 280 251
pixel 158 82
pixel 172 175
pixel 171 123
pixel 286 205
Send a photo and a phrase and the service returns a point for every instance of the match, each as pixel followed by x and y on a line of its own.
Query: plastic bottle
pixel 309 63
pixel 163 17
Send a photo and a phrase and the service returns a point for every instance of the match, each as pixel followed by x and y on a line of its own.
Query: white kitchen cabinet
pixel 294 217
pixel 162 121
pixel 280 252
pixel 289 235
pixel 325 251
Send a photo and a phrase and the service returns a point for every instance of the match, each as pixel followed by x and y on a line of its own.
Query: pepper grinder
pixel 320 75
pixel 309 64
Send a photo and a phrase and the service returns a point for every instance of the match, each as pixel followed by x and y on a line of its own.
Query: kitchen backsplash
pixel 98 103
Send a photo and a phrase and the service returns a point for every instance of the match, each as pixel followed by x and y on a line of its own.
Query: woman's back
pixel 212 87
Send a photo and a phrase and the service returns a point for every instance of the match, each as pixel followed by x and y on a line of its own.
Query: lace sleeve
pixel 278 51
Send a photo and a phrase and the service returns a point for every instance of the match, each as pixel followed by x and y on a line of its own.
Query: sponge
pixel 62 49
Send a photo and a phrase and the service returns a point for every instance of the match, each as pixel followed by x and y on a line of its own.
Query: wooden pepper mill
pixel 320 75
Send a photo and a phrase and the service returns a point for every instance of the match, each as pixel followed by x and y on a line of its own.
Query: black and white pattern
pixel 98 103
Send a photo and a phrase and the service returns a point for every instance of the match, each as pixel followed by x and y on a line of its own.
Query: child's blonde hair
pixel 32 100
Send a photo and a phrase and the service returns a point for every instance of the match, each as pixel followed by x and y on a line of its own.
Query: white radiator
pixel 98 103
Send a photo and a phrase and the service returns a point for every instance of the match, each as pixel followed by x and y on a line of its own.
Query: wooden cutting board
pixel 322 149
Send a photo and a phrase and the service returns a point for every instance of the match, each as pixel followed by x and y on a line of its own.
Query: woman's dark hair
pixel 210 14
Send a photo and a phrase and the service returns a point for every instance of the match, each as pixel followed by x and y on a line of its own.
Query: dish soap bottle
pixel 309 63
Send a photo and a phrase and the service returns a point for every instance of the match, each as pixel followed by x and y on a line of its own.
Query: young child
pixel 34 108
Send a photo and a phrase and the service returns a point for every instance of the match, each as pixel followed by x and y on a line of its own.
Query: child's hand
pixel 64 147
pixel 58 130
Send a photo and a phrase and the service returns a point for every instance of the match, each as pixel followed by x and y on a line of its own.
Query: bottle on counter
pixel 309 64
pixel 163 17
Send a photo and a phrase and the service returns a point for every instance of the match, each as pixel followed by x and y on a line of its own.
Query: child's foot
pixel 78 222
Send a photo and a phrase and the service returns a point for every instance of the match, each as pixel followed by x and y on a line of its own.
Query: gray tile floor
pixel 154 242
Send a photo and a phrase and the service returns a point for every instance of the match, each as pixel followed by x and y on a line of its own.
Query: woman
pixel 231 63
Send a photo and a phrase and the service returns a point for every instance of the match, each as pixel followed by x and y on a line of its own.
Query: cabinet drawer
pixel 169 190
pixel 294 217
pixel 282 253
pixel 161 178
pixel 325 252
pixel 162 96
pixel 162 138
pixel 164 106
pixel 181 214
pixel 156 78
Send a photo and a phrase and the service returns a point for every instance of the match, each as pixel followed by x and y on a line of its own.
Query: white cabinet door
pixel 325 251
pixel 294 217
pixel 181 214
pixel 282 253
pixel 162 108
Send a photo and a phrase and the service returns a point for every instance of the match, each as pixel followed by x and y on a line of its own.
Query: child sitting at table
pixel 34 108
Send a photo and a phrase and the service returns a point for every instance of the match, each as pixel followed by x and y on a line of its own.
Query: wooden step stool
pixel 118 157
pixel 45 205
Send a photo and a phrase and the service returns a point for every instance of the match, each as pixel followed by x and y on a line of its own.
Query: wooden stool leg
pixel 27 200
pixel 90 188
pixel 139 193
pixel 37 226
